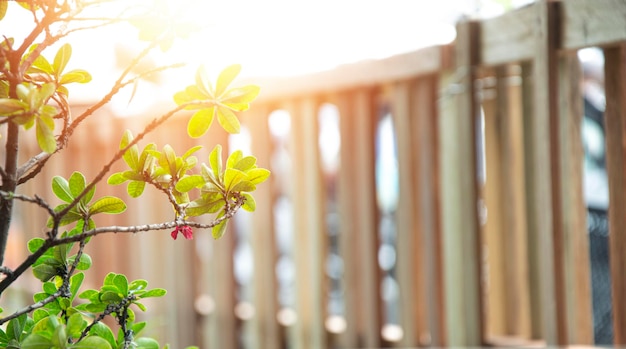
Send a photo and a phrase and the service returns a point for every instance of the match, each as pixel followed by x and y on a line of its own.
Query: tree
pixel 34 91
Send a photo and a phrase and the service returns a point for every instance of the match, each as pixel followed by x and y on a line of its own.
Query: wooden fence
pixel 489 228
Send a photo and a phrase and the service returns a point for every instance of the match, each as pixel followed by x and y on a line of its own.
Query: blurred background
pixel 407 204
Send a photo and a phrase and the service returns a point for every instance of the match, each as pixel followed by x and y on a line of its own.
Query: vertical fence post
pixel 369 312
pixel 265 326
pixel 463 306
pixel 575 236
pixel 406 239
pixel 308 219
pixel 615 77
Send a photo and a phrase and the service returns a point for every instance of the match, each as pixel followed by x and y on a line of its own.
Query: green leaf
pixel 131 156
pixel 215 160
pixel 110 297
pixel 76 183
pixel 232 177
pixel 187 183
pixel 138 327
pixel 75 281
pixel 49 287
pixel 234 158
pixel 238 99
pixel 44 272
pixel 16 326
pixel 243 186
pixel 45 136
pixel 36 341
pixel 92 342
pixel 200 122
pixel 108 204
pixel 146 343
pixel 155 292
pixel 76 75
pixel 103 331
pixel 75 325
pixel 245 164
pixel 250 204
pixel 88 294
pixel 138 285
pixel 84 263
pixel 61 189
pixel 9 106
pixel 218 230
pixel 34 244
pixel 117 178
pixel 121 283
pixel 140 306
pixel 228 120
pixel 135 188
pixel 59 338
pixel 225 78
pixel 61 58
pixel 258 175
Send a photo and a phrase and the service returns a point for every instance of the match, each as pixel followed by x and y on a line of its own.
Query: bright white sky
pixel 274 38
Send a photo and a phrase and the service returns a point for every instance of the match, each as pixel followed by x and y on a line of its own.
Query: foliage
pixel 34 92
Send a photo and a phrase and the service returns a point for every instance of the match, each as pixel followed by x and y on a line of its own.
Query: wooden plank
pixel 406 236
pixel 348 234
pixel 509 37
pixel 265 332
pixel 369 316
pixel 423 109
pixel 543 227
pixel 574 213
pixel 425 130
pixel 492 229
pixel 589 23
pixel 514 228
pixel 349 76
pixel 615 118
pixel 308 227
pixel 463 307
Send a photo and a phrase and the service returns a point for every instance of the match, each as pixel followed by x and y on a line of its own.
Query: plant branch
pixel 35 200
pixel 51 242
pixel 34 306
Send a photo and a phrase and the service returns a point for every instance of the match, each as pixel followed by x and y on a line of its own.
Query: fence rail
pixel 490 233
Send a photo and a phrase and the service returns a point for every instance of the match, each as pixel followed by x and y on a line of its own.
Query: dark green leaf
pixel 75 281
pixel 44 272
pixel 76 324
pixel 16 326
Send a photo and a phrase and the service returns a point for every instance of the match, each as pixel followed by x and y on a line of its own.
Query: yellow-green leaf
pixel 108 204
pixel 76 183
pixel 135 188
pixel 203 82
pixel 3 8
pixel 218 230
pixel 61 188
pixel 185 184
pixel 200 122
pixel 238 99
pixel 45 137
pixel 249 204
pixel 9 106
pixel 225 78
pixel 228 120
pixel 232 177
pixel 117 178
pixel 215 160
pixel 77 75
pixel 61 58
pixel 258 175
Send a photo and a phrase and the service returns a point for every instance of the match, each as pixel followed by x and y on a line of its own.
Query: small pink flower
pixel 183 229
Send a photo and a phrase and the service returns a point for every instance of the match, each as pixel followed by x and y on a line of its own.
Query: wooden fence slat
pixel 308 225
pixel 615 118
pixel 424 128
pixel 406 237
pixel 462 259
pixel 369 316
pixel 348 233
pixel 576 240
pixel 265 326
